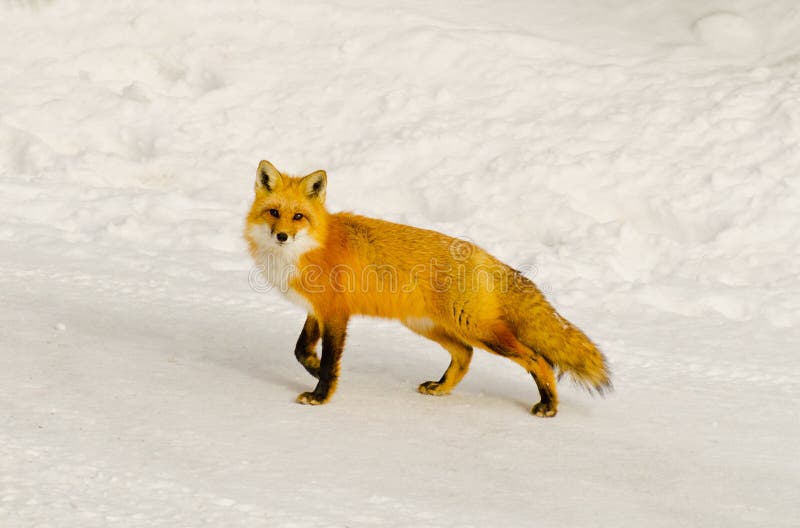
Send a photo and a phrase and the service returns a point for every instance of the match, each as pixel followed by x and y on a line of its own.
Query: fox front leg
pixel 306 343
pixel 333 336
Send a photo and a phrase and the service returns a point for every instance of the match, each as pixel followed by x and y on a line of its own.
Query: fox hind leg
pixel 507 345
pixel 460 357
pixel 306 343
pixel 546 383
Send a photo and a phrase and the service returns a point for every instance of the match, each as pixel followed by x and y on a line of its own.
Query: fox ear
pixel 268 178
pixel 315 184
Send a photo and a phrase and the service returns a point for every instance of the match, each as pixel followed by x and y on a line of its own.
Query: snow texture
pixel 640 160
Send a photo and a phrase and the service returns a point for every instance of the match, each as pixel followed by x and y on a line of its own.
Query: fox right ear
pixel 268 178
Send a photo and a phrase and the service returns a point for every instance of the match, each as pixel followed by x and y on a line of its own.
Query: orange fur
pixel 443 288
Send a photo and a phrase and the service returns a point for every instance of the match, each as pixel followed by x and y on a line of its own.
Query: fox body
pixel 448 290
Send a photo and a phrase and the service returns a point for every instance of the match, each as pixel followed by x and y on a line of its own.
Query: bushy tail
pixel 564 345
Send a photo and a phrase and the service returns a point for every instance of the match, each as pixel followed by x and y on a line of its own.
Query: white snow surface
pixel 640 160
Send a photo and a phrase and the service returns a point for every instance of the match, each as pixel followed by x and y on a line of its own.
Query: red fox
pixel 336 265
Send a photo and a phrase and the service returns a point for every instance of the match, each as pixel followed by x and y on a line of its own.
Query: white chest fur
pixel 279 262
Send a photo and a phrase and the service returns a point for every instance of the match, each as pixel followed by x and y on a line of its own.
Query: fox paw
pixel 434 388
pixel 309 398
pixel 544 410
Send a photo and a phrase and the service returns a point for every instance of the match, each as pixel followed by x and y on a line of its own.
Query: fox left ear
pixel 315 184
pixel 268 177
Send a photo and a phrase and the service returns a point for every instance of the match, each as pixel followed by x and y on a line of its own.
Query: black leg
pixel 333 336
pixel 304 349
pixel 548 401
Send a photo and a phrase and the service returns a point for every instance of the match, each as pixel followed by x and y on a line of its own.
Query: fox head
pixel 288 214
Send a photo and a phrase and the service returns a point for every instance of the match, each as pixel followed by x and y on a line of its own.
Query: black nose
pixel 282 237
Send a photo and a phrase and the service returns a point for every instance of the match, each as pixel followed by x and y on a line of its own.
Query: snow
pixel 639 160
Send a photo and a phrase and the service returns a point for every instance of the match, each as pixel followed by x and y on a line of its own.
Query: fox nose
pixel 282 237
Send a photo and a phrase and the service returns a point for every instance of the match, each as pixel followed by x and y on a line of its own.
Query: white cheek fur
pixel 279 261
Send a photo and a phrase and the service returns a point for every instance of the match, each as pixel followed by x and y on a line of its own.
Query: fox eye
pixel 297 216
pixel 274 212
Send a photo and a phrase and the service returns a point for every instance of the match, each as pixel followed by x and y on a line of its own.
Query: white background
pixel 641 157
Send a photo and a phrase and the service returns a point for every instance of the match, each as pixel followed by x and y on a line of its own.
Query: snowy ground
pixel 641 159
